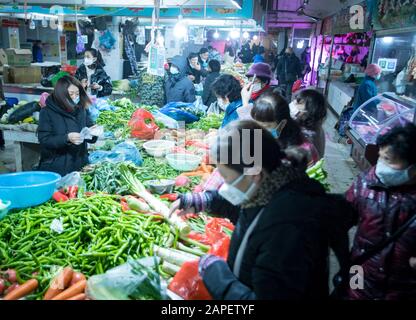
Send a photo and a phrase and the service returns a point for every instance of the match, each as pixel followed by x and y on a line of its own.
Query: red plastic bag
pixel 221 247
pixel 296 86
pixel 188 284
pixel 142 124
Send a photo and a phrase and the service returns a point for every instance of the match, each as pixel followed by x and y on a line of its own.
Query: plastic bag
pixel 142 124
pixel 188 284
pixel 89 133
pixel 71 179
pixel 107 41
pixel 125 151
pixel 134 280
pixel 169 122
pixel 175 111
pixel 296 86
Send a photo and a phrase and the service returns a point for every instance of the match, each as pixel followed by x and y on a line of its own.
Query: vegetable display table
pixel 26 144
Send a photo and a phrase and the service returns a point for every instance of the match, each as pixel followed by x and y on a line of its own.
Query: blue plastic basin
pixel 27 189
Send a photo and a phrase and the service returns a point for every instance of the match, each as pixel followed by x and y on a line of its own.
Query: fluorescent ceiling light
pixel 246 35
pixel 216 34
pixel 236 4
pixel 388 40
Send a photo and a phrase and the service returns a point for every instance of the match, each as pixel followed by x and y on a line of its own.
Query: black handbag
pixel 342 279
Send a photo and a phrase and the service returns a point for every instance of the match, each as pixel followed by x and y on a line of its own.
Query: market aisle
pixel 7 163
pixel 340 166
pixel 341 172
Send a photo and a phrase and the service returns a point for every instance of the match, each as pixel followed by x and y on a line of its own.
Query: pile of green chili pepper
pixel 97 236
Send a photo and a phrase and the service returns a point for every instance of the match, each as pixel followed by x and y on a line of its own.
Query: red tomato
pixel 10 275
pixel 2 286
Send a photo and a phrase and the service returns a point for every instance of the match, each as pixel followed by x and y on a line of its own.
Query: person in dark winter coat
pixel 227 89
pixel 178 87
pixel 279 248
pixel 208 96
pixel 288 70
pixel 305 59
pixel 194 70
pixel 92 75
pixel 62 148
pixel 368 88
pixel 385 199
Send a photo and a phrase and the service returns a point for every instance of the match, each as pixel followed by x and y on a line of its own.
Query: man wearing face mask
pixel 92 75
pixel 178 87
pixel 367 88
pixel 288 70
pixel 279 248
pixel 385 200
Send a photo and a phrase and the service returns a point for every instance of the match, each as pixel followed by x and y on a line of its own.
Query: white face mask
pixel 256 87
pixel 294 110
pixel 174 70
pixel 222 104
pixel 76 100
pixel 378 77
pixel 234 195
pixel 391 177
pixel 88 61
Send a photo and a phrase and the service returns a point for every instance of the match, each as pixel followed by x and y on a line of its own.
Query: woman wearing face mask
pixel 385 199
pixel 309 111
pixel 178 87
pixel 227 89
pixel 63 150
pixel 92 75
pixel 272 112
pixel 279 248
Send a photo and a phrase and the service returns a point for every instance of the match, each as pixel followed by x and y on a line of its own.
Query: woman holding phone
pixel 92 75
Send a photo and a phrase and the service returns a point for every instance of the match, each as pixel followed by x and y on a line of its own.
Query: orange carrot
pixel 59 283
pixel 80 296
pixel 77 276
pixel 193 173
pixel 23 290
pixel 73 290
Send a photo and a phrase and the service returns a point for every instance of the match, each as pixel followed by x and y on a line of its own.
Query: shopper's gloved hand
pixel 205 262
pixel 75 138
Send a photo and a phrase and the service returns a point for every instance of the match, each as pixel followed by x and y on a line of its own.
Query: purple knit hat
pixel 260 70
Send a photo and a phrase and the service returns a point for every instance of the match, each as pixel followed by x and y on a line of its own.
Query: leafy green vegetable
pixel 211 121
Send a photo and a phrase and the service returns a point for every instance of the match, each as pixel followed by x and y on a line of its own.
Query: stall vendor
pixel 63 149
pixel 92 75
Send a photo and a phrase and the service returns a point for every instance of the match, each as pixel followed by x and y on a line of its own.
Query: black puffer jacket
pixel 286 257
pixel 288 69
pixel 178 87
pixel 99 76
pixel 57 154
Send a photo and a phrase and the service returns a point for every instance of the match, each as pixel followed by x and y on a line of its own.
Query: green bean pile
pixel 97 236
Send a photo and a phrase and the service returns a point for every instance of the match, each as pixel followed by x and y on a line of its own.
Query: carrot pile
pixel 202 170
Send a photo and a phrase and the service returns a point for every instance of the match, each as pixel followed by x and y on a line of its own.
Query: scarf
pixel 255 95
pixel 274 182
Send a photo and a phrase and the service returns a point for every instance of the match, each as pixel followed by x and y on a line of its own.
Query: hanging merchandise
pixel 107 41
pixel 156 62
pixel 141 36
pixel 131 55
pixel 80 47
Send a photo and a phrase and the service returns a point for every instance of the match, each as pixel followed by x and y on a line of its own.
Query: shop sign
pixel 156 62
pixel 9 24
pixel 392 14
pixel 387 64
pixel 350 19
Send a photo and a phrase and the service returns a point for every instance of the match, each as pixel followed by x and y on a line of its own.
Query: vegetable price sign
pixel 156 61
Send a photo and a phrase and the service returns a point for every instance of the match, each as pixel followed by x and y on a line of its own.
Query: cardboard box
pixel 19 57
pixel 22 74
